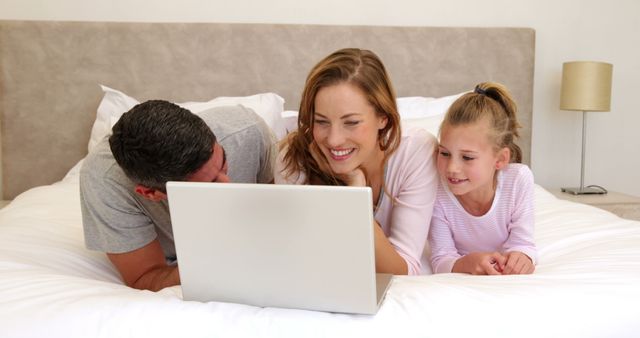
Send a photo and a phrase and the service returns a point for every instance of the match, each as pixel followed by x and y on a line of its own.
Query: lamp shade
pixel 586 86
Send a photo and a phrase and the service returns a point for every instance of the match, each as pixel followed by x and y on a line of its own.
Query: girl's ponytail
pixel 506 128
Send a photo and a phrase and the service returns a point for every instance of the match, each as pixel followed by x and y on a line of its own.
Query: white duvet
pixel 587 284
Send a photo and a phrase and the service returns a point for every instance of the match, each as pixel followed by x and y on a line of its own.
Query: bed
pixel 587 282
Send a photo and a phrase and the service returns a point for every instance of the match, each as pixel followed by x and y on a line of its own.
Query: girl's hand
pixel 355 178
pixel 481 263
pixel 517 264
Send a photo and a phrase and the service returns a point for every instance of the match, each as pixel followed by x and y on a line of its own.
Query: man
pixel 122 182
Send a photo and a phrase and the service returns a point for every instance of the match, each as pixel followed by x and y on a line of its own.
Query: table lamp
pixel 586 86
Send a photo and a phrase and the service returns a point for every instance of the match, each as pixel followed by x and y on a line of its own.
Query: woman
pixel 349 134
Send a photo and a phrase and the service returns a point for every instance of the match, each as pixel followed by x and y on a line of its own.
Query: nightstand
pixel 625 206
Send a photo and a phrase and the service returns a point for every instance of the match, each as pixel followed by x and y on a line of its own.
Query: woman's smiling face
pixel 346 128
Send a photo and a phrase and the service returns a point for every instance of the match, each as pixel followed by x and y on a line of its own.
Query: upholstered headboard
pixel 50 71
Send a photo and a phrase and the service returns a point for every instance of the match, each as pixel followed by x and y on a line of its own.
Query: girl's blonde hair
pixel 361 68
pixel 493 101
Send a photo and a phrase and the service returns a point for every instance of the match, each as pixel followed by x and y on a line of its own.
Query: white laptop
pixel 292 246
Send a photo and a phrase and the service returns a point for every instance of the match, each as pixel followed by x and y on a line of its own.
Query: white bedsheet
pixel 587 284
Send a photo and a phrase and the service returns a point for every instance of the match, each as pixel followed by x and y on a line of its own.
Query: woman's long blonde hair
pixel 358 67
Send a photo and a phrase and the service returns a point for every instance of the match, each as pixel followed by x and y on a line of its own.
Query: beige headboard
pixel 50 71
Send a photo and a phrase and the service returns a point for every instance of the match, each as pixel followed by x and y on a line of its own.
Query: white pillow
pixel 290 118
pixel 418 107
pixel 430 124
pixel 424 112
pixel 115 103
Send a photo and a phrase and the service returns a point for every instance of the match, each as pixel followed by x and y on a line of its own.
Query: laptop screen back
pixel 295 246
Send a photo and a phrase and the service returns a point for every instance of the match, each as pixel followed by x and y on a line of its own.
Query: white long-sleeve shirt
pixel 507 226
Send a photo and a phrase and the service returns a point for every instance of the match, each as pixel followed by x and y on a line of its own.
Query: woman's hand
pixel 517 264
pixel 481 263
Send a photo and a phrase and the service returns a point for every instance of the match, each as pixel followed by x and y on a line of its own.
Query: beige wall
pixel 566 30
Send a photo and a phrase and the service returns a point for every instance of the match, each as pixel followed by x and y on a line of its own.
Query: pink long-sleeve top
pixel 411 179
pixel 507 226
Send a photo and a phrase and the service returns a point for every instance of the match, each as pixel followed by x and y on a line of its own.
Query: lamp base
pixel 584 191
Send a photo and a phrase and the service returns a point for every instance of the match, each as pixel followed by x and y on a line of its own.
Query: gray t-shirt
pixel 116 219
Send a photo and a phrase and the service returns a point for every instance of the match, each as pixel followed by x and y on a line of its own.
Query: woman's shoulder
pixel 414 159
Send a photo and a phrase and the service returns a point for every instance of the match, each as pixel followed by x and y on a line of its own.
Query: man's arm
pixel 146 268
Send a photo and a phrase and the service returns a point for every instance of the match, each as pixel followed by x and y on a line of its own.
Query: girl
pixel 483 216
pixel 349 134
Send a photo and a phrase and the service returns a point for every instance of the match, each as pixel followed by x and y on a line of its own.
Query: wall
pixel 566 30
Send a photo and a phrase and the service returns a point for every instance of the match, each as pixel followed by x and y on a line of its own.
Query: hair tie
pixel 480 90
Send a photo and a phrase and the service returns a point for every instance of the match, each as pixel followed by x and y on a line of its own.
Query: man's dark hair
pixel 158 141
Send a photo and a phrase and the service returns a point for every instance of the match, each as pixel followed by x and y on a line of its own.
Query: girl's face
pixel 346 129
pixel 467 161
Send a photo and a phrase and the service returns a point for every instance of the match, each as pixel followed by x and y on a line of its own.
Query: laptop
pixel 292 246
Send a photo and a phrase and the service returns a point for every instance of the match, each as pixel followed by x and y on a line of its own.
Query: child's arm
pixel 519 248
pixel 481 263
pixel 443 248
